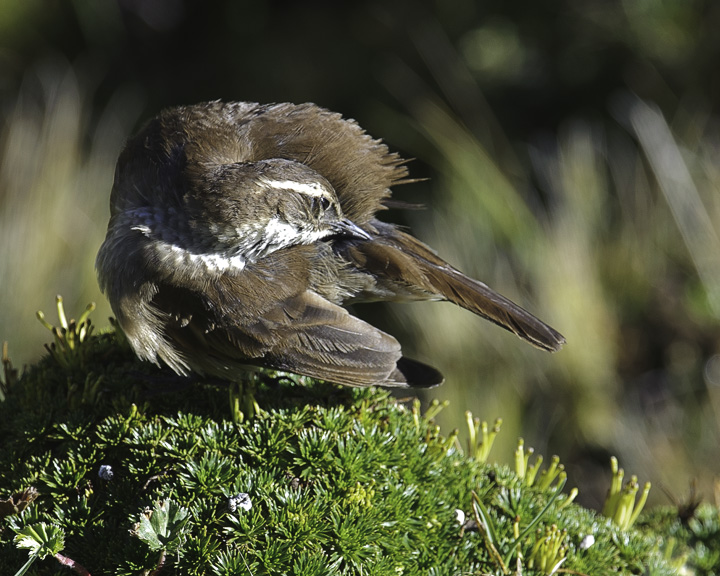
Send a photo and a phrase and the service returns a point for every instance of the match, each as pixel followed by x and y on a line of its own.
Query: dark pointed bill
pixel 346 227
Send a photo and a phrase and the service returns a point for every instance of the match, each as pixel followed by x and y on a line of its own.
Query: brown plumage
pixel 238 231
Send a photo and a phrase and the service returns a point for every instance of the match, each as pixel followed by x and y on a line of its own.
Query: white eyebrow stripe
pixel 314 190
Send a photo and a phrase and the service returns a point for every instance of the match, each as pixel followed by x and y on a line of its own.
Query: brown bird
pixel 238 231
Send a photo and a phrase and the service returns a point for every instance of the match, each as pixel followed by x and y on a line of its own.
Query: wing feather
pixel 249 320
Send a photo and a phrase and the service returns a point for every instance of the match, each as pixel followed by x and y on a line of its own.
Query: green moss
pixel 136 470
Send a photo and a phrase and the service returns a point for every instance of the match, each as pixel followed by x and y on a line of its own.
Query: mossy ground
pixel 340 481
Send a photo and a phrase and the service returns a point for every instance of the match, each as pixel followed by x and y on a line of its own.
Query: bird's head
pixel 256 208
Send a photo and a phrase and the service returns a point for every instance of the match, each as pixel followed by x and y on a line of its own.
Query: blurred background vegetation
pixel 572 150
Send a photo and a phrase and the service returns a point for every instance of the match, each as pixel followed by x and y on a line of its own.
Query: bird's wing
pixel 320 339
pixel 255 319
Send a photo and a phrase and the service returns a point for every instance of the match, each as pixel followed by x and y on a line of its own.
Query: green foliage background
pixel 573 155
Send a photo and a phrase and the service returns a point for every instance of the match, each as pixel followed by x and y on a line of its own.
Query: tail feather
pixel 406 267
pixel 478 298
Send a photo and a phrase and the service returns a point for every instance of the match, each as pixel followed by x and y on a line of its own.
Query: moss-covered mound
pixel 110 466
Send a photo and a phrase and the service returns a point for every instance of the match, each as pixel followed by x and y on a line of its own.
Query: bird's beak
pixel 346 227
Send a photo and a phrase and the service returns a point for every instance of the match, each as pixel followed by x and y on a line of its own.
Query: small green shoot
pixel 69 336
pixel 480 436
pixel 620 504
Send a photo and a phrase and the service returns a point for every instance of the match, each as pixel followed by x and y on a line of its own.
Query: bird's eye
pixel 320 205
